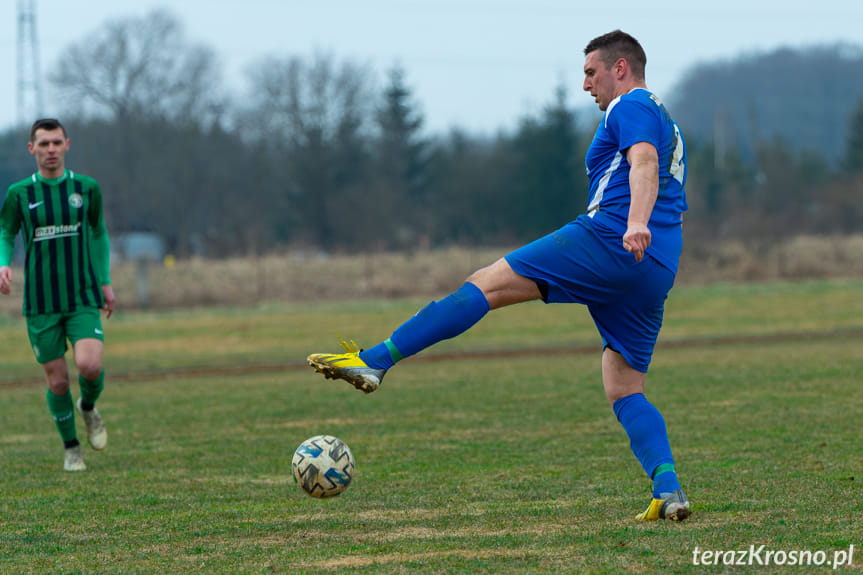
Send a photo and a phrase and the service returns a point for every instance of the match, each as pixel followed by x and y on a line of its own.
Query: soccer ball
pixel 323 466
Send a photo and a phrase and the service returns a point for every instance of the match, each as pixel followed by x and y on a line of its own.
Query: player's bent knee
pixel 59 387
pixel 90 370
pixel 502 286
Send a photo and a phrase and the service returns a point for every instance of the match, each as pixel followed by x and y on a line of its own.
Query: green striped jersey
pixel 59 220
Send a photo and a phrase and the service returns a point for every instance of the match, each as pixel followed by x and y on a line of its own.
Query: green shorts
pixel 48 332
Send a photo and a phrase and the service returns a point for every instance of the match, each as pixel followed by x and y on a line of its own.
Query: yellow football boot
pixel 675 507
pixel 348 366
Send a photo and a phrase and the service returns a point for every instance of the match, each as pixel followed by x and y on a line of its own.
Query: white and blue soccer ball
pixel 323 466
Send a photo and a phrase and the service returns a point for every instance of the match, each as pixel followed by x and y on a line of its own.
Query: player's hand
pixel 108 294
pixel 5 280
pixel 636 239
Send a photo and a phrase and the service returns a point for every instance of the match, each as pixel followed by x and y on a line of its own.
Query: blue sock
pixel 665 482
pixel 648 439
pixel 436 322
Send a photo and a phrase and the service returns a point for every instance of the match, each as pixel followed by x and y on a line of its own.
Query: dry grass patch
pixel 305 277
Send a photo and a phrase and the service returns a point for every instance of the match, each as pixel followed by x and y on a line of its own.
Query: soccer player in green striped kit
pixel 66 280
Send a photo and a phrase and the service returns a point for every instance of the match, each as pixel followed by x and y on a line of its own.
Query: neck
pixel 628 87
pixel 52 174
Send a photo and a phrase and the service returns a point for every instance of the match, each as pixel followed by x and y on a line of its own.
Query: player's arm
pixel 9 225
pixel 7 249
pixel 101 249
pixel 102 262
pixel 644 188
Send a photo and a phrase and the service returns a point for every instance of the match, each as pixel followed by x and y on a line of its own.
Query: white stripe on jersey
pixel 603 182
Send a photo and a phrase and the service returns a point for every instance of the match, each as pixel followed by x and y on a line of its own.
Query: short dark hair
pixel 616 45
pixel 46 124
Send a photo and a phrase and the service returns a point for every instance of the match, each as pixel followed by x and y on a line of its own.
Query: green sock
pixel 91 390
pixel 63 410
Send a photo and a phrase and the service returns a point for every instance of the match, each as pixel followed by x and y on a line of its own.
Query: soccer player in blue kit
pixel 619 259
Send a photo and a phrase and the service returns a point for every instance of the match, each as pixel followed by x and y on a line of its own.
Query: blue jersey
pixel 638 116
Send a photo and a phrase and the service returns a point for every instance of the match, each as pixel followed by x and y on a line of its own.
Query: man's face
pixel 49 148
pixel 601 83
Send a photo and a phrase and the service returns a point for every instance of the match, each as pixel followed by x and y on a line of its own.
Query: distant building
pixel 139 246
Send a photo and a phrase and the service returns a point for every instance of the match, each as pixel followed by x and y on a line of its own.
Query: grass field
pixel 468 461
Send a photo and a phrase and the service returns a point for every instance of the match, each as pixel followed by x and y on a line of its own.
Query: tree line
pixel 316 156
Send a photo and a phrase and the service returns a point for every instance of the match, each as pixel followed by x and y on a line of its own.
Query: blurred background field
pixel 313 276
pixel 265 314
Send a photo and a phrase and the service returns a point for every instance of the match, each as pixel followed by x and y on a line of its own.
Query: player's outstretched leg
pixel 437 321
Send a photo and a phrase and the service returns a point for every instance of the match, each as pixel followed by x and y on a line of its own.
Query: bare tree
pixel 140 68
pixel 147 99
pixel 312 117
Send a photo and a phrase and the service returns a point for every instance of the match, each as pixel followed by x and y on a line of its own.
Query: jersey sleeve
pixel 95 214
pixel 102 255
pixel 101 245
pixel 7 247
pixel 10 216
pixel 633 122
pixel 10 223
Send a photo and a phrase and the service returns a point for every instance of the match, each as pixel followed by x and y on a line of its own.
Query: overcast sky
pixel 475 64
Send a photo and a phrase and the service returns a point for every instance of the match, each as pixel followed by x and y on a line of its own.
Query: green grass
pixel 467 465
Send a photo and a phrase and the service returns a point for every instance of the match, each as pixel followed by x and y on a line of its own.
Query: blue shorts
pixel 581 264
